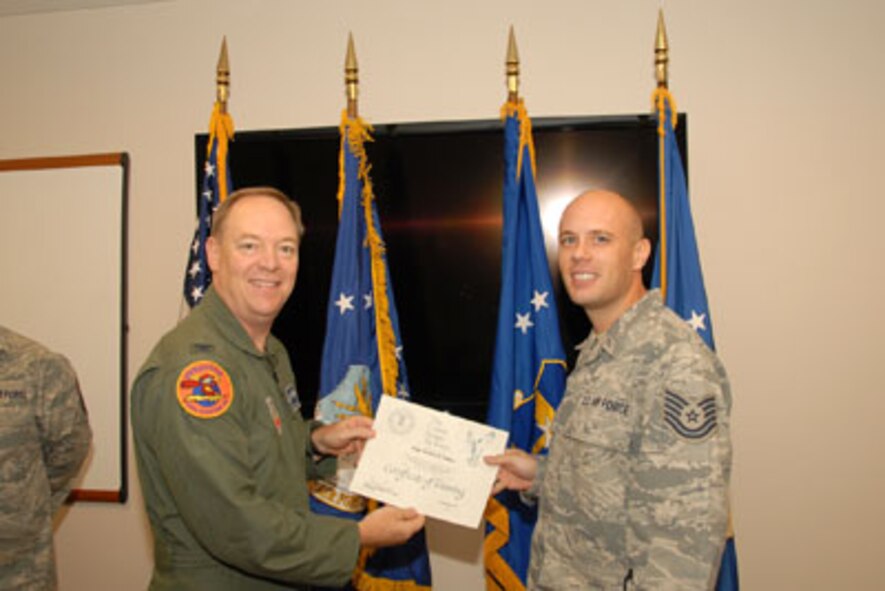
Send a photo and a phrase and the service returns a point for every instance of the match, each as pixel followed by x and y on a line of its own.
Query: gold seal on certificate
pixel 429 460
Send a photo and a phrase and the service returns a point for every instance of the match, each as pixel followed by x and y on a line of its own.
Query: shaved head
pixel 602 250
pixel 618 203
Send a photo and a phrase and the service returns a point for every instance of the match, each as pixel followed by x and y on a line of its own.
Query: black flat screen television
pixel 438 190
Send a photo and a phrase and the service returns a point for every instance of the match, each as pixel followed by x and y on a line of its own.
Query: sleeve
pixel 677 498
pixel 64 425
pixel 205 464
pixel 318 466
pixel 531 496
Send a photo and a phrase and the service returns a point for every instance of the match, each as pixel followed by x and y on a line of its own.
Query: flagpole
pixel 222 77
pixel 512 68
pixel 214 185
pixel 662 59
pixel 221 127
pixel 351 79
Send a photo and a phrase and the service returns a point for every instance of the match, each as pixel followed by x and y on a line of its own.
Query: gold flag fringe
pixel 661 99
pixel 221 128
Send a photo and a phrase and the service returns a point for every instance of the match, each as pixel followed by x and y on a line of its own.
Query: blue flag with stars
pixel 528 377
pixel 216 186
pixel 677 270
pixel 362 355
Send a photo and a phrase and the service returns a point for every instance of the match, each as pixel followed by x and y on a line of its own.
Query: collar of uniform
pixel 610 340
pixel 233 331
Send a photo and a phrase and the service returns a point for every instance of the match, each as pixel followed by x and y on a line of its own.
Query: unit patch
pixel 204 390
pixel 291 393
pixel 691 420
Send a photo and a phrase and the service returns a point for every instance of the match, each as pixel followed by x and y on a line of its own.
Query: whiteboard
pixel 63 269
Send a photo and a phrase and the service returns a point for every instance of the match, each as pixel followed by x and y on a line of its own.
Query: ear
pixel 212 253
pixel 641 252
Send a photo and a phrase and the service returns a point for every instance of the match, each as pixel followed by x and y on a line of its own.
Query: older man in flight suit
pixel 223 453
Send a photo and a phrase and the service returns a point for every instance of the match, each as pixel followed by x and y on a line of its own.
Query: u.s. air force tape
pixel 204 390
pixel 691 420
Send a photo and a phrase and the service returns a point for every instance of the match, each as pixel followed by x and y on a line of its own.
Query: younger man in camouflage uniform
pixel 44 439
pixel 633 492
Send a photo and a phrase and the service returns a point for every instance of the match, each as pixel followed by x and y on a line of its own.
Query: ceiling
pixel 16 7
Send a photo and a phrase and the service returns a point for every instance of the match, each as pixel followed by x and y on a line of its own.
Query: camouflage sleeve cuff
pixel 531 495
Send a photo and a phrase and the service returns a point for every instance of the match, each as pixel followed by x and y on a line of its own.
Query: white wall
pixel 785 106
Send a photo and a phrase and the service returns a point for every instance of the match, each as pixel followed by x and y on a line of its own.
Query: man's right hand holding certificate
pixel 516 470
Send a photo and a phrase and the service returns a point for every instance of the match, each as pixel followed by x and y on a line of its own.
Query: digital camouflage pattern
pixel 44 439
pixel 633 493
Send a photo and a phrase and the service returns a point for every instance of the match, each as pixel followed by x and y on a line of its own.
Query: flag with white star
pixel 216 186
pixel 528 376
pixel 362 353
pixel 677 270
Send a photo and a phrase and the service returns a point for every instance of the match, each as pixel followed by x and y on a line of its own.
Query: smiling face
pixel 254 261
pixel 601 255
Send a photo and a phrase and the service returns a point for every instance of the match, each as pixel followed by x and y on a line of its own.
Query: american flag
pixel 216 186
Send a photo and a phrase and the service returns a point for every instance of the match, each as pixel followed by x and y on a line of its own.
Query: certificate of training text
pixel 429 460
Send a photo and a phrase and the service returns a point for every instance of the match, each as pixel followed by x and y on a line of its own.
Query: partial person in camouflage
pixel 633 492
pixel 44 440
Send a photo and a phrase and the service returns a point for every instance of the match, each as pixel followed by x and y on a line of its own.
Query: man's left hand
pixel 344 437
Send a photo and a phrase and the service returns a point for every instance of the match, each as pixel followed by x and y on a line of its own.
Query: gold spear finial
pixel 351 78
pixel 222 77
pixel 512 68
pixel 662 56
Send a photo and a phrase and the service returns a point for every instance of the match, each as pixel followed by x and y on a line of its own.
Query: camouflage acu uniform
pixel 633 493
pixel 44 439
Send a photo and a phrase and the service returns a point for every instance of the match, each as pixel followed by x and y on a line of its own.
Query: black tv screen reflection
pixel 438 191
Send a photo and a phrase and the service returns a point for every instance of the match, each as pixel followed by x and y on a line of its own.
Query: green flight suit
pixel 227 495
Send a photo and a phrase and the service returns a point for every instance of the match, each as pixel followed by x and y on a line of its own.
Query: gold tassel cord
pixel 221 128
pixel 662 99
pixel 517 108
pixel 358 132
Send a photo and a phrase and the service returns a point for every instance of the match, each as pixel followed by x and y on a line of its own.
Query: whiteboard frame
pixel 119 493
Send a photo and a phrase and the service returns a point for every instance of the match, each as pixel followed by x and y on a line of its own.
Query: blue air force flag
pixel 528 377
pixel 362 353
pixel 677 270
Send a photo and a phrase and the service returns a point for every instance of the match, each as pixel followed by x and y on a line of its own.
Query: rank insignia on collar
pixel 204 390
pixel 690 420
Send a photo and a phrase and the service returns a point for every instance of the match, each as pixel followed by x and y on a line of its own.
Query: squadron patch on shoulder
pixel 690 420
pixel 204 390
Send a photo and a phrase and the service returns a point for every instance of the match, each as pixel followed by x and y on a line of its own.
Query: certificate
pixel 429 460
